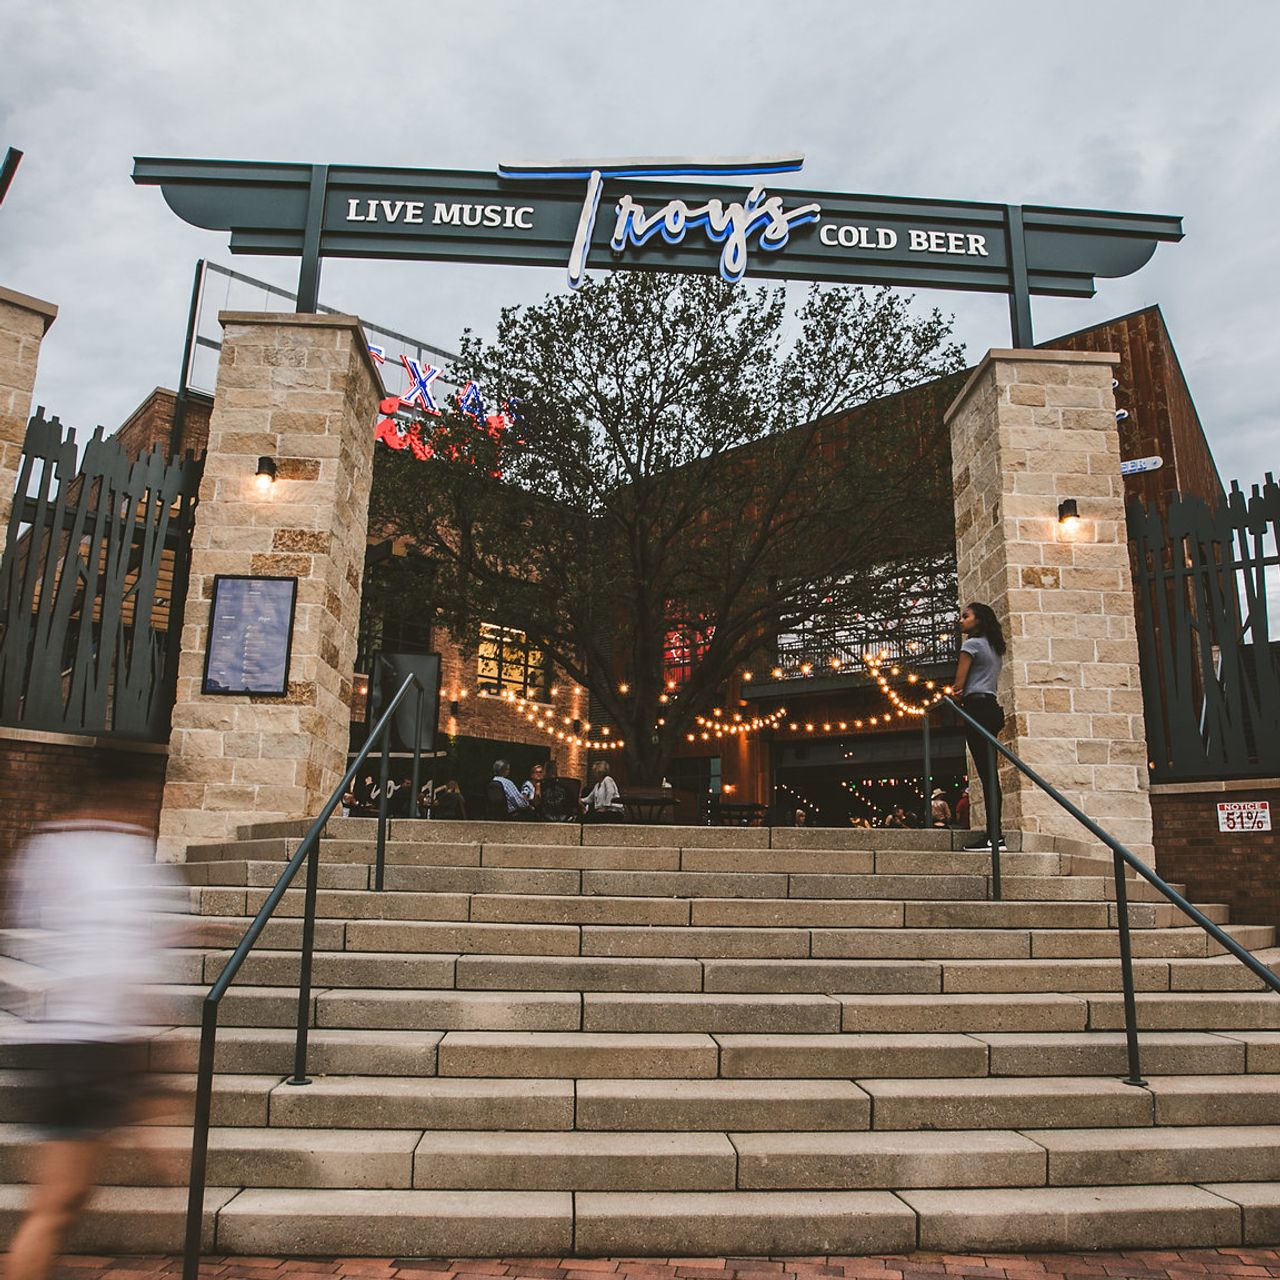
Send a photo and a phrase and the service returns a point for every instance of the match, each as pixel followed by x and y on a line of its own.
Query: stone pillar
pixel 1030 429
pixel 303 390
pixel 23 323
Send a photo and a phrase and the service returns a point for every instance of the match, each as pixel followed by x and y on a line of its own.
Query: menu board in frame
pixel 250 635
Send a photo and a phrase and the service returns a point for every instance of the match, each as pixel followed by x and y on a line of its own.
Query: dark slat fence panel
pixel 92 585
pixel 1210 665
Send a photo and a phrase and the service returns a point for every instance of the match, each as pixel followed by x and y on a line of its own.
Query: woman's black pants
pixel 990 715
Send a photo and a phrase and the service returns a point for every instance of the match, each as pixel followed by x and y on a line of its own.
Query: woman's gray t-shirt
pixel 984 668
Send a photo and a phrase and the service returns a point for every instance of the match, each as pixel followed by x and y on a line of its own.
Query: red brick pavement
pixel 1150 1264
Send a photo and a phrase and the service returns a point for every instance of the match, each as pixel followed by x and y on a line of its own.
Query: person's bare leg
pixel 64 1181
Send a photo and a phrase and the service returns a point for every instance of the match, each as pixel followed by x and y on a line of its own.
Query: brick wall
pixel 1240 868
pixel 151 423
pixel 40 774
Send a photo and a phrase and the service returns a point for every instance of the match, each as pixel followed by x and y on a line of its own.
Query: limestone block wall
pixel 23 323
pixel 1030 429
pixel 303 390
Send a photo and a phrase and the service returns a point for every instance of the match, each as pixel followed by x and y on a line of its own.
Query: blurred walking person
pixel 88 888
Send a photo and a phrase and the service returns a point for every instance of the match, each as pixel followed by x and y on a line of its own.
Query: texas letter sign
pixel 639 215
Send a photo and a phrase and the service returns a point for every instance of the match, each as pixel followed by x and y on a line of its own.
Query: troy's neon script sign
pixel 730 225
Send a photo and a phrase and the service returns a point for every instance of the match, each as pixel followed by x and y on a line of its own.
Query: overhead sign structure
pixel 604 215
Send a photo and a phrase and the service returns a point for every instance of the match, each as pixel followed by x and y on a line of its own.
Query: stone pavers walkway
pixel 1187 1264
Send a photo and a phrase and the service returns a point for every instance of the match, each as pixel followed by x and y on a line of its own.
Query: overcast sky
pixel 1154 107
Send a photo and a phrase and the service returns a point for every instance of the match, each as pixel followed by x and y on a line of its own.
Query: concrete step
pixel 577 973
pixel 888 1160
pixel 1234 1100
pixel 549 909
pixel 1186 942
pixel 414 1102
pixel 737 1223
pixel 738 1105
pixel 330 1051
pixel 578 1054
pixel 1084 1157
pixel 484 880
pixel 954 976
pixel 239 1100
pixel 1059 1218
pixel 1191 1010
pixel 422 1224
pixel 1259 1206
pixel 337 968
pixel 1066 1102
pixel 1104 1053
pixel 699 1011
pixel 160 1156
pixel 259 873
pixel 1013 1012
pixel 488 939
pixel 577 1161
pixel 125 1220
pixel 991 1103
pixel 851 1056
pixel 1221 973
pixel 451 1010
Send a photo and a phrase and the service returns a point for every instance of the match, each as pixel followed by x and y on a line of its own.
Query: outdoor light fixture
pixel 1068 513
pixel 266 476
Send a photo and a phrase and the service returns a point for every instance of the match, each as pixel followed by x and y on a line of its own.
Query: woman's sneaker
pixel 983 846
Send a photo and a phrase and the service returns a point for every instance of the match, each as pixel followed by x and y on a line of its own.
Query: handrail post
pixel 1126 972
pixel 992 805
pixel 380 870
pixel 992 800
pixel 299 1076
pixel 928 776
pixel 417 753
pixel 200 1141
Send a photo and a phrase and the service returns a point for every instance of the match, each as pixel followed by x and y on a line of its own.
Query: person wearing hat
pixel 940 809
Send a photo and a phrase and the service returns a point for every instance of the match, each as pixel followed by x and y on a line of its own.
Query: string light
pixel 545 718
pixel 795 795
pixel 720 727
pixel 904 708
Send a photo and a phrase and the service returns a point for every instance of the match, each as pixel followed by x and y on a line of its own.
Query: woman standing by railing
pixel 976 679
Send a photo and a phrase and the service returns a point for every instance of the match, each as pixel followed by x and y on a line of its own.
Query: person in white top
pixel 602 803
pixel 88 905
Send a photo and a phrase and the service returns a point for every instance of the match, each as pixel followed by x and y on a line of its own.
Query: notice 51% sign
pixel 1244 815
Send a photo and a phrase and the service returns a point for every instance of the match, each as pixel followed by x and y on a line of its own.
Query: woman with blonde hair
pixel 603 802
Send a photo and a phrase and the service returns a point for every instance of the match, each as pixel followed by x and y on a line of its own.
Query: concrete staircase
pixel 544 1040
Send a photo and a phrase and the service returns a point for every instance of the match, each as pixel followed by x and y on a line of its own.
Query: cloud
pixel 1093 104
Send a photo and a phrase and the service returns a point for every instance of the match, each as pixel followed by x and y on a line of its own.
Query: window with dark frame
pixel 507 663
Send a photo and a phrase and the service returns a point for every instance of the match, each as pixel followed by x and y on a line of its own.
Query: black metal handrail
pixel 308 851
pixel 1121 857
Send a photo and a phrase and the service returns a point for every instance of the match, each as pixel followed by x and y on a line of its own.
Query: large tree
pixel 684 458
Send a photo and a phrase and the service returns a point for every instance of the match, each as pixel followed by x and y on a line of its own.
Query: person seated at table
pixel 602 803
pixel 449 802
pixel 898 818
pixel 801 818
pixel 517 805
pixel 531 788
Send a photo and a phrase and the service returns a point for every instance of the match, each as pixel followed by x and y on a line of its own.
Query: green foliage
pixel 683 462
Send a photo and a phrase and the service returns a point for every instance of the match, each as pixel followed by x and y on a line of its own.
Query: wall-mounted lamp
pixel 266 476
pixel 1068 513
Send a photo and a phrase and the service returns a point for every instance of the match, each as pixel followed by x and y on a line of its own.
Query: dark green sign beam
pixel 621 219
